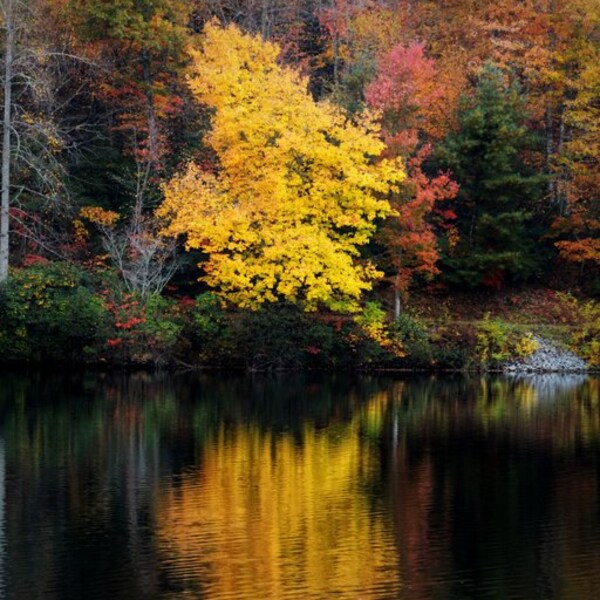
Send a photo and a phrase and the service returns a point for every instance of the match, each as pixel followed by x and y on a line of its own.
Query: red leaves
pixel 34 259
pixel 185 303
pixel 494 280
pixel 128 315
pixel 410 236
pixel 130 323
pixel 407 91
pixel 406 79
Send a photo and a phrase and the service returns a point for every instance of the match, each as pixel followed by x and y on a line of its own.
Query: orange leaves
pixel 99 216
pixel 585 247
pixel 579 251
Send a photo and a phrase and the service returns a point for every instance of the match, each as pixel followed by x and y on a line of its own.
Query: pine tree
pixel 499 191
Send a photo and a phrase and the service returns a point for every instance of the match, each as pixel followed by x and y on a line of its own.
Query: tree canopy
pixel 499 191
pixel 296 189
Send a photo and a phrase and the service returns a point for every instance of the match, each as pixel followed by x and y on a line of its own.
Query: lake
pixel 310 487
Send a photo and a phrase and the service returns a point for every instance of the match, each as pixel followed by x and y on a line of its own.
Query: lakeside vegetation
pixel 298 184
pixel 57 312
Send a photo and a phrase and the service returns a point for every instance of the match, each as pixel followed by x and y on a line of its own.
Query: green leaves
pixel 499 192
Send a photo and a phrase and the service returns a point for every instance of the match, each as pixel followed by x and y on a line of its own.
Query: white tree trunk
pixel 6 140
pixel 397 304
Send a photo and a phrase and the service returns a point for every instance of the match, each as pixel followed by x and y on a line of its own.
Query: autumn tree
pixel 408 97
pixel 298 185
pixel 578 228
pixel 573 140
pixel 141 43
pixel 141 46
pixel 42 81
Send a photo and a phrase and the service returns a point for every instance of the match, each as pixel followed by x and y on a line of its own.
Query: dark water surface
pixel 150 486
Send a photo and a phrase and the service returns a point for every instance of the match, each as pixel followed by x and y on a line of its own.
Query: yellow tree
pixel 298 186
pixel 580 225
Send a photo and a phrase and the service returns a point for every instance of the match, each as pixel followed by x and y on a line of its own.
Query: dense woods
pixel 283 182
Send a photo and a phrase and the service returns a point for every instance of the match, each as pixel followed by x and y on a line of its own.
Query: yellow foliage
pixel 299 185
pixel 526 345
pixel 497 341
pixel 586 336
pixel 80 233
pixel 373 322
pixel 99 216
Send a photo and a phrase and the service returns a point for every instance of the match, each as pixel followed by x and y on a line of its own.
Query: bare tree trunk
pixel 6 149
pixel 561 197
pixel 397 294
pixel 397 304
pixel 336 59
pixel 550 117
pixel 264 19
pixel 153 150
pixel 549 148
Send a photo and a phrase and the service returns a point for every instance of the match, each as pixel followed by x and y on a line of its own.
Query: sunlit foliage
pixel 297 189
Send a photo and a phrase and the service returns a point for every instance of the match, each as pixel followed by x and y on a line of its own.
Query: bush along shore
pixel 56 313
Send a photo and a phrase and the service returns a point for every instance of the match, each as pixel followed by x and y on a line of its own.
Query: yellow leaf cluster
pixel 99 216
pixel 299 185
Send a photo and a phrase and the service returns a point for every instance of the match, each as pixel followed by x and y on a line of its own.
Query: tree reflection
pixel 267 515
pixel 156 486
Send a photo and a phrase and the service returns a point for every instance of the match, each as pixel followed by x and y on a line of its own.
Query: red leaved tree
pixel 408 95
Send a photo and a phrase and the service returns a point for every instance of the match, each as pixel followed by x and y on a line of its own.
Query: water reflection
pixel 274 516
pixel 550 386
pixel 2 505
pixel 150 486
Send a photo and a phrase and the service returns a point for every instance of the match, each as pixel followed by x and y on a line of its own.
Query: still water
pixel 156 486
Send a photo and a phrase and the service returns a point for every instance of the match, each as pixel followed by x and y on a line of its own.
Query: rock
pixel 548 358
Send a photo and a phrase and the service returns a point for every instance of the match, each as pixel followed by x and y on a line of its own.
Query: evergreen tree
pixel 498 190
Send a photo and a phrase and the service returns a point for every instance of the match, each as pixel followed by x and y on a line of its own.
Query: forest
pixel 299 183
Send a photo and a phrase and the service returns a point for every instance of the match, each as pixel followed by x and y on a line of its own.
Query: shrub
pixel 414 336
pixel 141 331
pixel 207 327
pixel 47 312
pixel 498 341
pixel 585 339
pixel 280 336
pixel 453 344
pixel 275 337
pixel 374 326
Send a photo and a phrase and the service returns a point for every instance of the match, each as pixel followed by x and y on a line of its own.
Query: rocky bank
pixel 548 358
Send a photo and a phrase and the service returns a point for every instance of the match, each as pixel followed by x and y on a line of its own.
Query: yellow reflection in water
pixel 273 516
